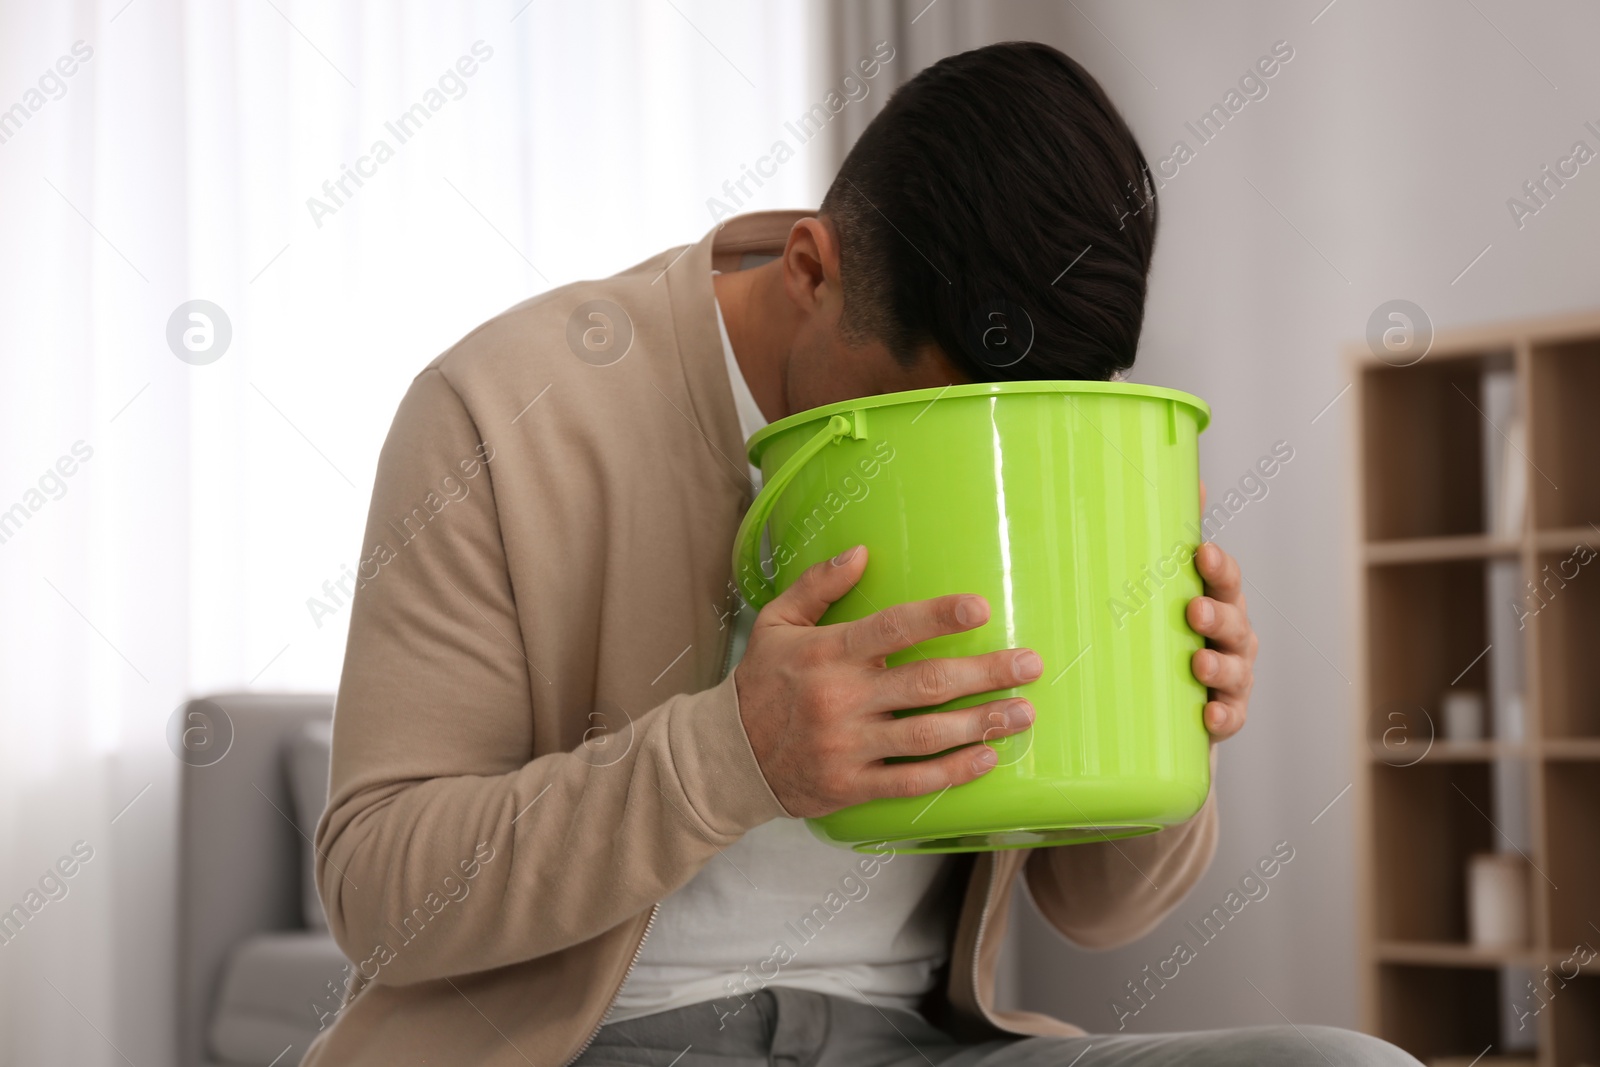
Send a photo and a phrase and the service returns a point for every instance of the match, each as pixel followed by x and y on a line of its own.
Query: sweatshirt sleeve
pixel 440 818
pixel 1109 893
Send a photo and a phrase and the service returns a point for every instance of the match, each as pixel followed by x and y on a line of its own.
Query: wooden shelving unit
pixel 1428 543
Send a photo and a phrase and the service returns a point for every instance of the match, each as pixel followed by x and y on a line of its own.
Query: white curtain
pixel 165 521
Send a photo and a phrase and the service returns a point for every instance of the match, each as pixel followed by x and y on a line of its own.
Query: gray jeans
pixel 790 1028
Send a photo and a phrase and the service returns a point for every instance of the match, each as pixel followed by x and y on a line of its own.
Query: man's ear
pixel 811 265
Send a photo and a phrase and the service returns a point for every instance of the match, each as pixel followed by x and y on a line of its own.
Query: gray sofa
pixel 254 956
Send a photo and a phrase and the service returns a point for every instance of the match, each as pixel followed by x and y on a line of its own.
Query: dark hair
pixel 966 199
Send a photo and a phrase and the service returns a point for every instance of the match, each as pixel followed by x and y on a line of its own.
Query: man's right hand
pixel 818 702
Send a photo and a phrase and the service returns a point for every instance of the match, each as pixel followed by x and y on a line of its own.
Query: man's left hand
pixel 1227 664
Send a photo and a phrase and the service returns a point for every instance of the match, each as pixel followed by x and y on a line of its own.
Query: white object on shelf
pixel 1509 724
pixel 1463 715
pixel 1514 481
pixel 1505 475
pixel 1519 1027
pixel 1497 900
pixel 1505 660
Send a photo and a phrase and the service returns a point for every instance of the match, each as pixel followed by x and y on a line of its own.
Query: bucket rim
pixel 762 437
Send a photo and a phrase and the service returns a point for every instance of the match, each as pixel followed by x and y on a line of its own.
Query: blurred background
pixel 167 525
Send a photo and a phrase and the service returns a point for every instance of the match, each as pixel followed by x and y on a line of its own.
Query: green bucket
pixel 1074 507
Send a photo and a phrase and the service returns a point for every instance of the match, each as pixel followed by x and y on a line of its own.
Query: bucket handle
pixel 752 584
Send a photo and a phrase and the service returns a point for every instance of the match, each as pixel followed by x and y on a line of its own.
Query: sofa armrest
pixel 238 846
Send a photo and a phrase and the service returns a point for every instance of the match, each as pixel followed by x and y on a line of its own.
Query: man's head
pixel 995 221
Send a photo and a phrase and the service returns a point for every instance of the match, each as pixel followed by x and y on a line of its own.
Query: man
pixel 560 829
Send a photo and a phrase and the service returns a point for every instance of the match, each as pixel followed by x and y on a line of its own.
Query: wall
pixel 1377 166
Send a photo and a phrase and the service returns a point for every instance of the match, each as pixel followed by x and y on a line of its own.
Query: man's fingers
pixel 936 731
pixel 818 586
pixel 922 777
pixel 1223 720
pixel 882 633
pixel 1221 617
pixel 1224 623
pixel 926 682
pixel 1228 675
pixel 1221 573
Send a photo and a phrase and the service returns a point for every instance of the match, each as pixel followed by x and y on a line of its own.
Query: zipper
pixel 977 943
pixel 637 952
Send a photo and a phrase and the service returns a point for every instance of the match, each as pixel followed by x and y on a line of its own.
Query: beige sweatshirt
pixel 531 747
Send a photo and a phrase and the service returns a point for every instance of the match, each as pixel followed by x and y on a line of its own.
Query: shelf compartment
pixel 1427 820
pixel 1426 630
pixel 1565 382
pixel 1564 604
pixel 1572 806
pixel 1575 1019
pixel 1423 448
pixel 1439 1011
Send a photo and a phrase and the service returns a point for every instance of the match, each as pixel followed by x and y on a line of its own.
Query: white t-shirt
pixel 780 907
